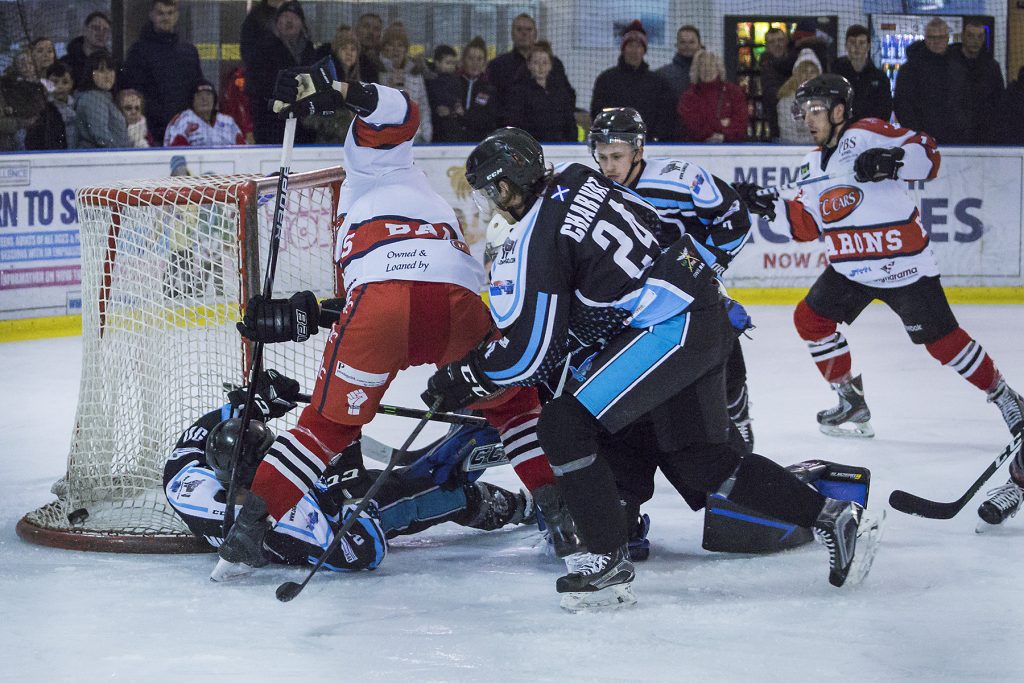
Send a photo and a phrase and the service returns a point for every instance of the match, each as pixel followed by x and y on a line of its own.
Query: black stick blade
pixel 287 591
pixel 910 504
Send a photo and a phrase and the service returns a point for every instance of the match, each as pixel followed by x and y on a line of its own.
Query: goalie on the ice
pixel 427 493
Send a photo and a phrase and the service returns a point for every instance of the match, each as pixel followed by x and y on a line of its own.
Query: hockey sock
pixel 828 347
pixel 516 422
pixel 769 488
pixel 960 352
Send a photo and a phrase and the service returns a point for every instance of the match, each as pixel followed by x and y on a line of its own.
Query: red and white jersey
pixel 188 129
pixel 873 232
pixel 394 225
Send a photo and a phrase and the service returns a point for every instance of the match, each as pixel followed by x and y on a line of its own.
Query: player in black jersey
pixel 582 286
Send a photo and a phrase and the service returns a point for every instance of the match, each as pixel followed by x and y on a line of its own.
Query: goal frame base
pixel 113 542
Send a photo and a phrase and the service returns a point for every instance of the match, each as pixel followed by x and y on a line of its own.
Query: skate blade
pixel 857 430
pixel 613 597
pixel 869 535
pixel 229 571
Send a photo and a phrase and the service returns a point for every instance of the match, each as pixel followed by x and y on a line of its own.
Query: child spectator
pixel 332 130
pixel 443 91
pixel 100 123
pixel 792 131
pixel 712 110
pixel 465 104
pixel 201 125
pixel 63 85
pixel 543 105
pixel 401 71
pixel 131 103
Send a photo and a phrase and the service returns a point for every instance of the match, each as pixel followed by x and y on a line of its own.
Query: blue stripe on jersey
pixel 536 335
pixel 520 261
pixel 673 183
pixel 735 244
pixel 708 257
pixel 660 203
pixel 301 531
pixel 197 508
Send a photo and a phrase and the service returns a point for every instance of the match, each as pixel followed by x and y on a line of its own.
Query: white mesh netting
pixel 166 268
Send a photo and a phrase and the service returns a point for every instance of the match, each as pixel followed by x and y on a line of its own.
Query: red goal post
pixel 167 266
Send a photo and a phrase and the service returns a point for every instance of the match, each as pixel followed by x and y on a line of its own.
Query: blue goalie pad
pixel 732 528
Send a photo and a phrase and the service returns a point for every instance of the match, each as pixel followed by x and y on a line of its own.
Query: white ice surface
pixel 460 605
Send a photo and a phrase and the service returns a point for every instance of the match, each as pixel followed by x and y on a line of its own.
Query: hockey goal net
pixel 167 266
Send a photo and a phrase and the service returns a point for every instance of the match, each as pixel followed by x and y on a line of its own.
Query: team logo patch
pixel 500 287
pixel 311 519
pixel 356 399
pixel 839 202
pixel 804 170
pixel 559 193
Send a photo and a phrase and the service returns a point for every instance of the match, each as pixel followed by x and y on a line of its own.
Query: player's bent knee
pixel 947 347
pixel 708 467
pixel 810 325
pixel 566 430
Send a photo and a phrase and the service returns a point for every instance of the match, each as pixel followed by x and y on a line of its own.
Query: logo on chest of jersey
pixel 507 247
pixel 839 202
pixel 502 287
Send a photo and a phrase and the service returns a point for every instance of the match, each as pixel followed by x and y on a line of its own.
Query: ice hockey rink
pixel 452 604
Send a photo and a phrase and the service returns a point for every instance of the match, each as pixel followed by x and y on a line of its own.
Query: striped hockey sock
pixel 832 356
pixel 962 353
pixel 519 436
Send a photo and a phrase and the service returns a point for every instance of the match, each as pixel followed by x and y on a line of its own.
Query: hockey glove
pixel 275 394
pixel 757 202
pixel 307 91
pixel 280 320
pixel 738 316
pixel 458 384
pixel 878 164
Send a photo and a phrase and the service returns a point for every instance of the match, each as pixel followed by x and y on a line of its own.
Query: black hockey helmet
pixel 220 446
pixel 617 124
pixel 831 89
pixel 509 154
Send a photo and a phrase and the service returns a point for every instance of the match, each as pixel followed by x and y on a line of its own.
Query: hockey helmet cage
pixel 830 88
pixel 511 154
pixel 220 446
pixel 617 124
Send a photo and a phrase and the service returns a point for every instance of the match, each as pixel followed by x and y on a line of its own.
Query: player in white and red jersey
pixel 412 297
pixel 201 125
pixel 876 247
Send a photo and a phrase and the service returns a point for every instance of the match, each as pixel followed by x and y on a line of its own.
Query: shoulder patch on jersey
pixel 674 166
pixel 805 170
pixel 837 203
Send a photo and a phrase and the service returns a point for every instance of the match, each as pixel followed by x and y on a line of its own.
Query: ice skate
pixel 597 581
pixel 1003 502
pixel 559 527
pixel 851 418
pixel 851 534
pixel 242 551
pixel 495 507
pixel 639 546
pixel 1010 404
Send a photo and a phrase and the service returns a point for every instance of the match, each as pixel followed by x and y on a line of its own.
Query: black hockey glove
pixel 879 163
pixel 275 394
pixel 458 384
pixel 280 320
pixel 330 312
pixel 760 204
pixel 307 91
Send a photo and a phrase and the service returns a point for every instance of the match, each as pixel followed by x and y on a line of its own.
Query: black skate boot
pixel 1003 502
pixel 851 535
pixel 242 550
pixel 1010 404
pixel 559 527
pixel 739 414
pixel 852 409
pixel 639 546
pixel 491 507
pixel 597 581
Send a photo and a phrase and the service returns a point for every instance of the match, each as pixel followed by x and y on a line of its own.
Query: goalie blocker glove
pixel 877 164
pixel 280 320
pixel 458 384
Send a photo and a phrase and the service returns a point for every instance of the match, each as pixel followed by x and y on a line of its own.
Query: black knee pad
pixel 703 467
pixel 566 430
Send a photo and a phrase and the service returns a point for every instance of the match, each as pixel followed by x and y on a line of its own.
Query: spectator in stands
pixel 776 66
pixel 543 105
pixel 370 36
pixel 43 56
pixel 984 79
pixel 467 112
pixel 258 26
pixel 161 66
pixel 444 61
pixel 443 91
pixel 24 97
pixel 132 104
pixel 201 125
pixel 631 83
pixel 94 38
pixel 332 130
pixel 791 131
pixel 286 47
pixel 871 91
pixel 931 87
pixel 100 122
pixel 63 84
pixel 1012 111
pixel 399 70
pixel 677 72
pixel 508 69
pixel 807 35
pixel 712 109
pixel 235 103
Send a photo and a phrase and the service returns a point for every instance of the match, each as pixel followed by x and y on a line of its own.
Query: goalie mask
pixel 220 446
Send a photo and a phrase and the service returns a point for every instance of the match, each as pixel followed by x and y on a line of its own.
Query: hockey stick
pixel 268 289
pixel 922 507
pixel 775 190
pixel 288 590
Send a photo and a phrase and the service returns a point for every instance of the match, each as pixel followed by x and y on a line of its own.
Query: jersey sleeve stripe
pixel 388 135
pixel 536 348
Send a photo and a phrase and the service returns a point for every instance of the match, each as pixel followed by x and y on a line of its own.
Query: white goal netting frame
pixel 167 266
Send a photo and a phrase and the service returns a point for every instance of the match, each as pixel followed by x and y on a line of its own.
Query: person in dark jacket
pixel 631 83
pixel 257 26
pixel 871 95
pixel 464 105
pixel 162 66
pixel 1011 129
pixel 287 47
pixel 930 88
pixel 984 80
pixel 677 72
pixel 776 67
pixel 94 38
pixel 543 105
